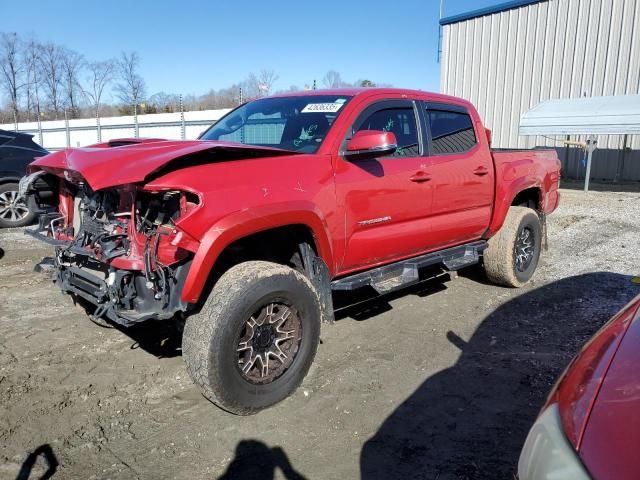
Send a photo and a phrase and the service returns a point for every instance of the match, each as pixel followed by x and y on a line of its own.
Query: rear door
pixel 386 201
pixel 462 175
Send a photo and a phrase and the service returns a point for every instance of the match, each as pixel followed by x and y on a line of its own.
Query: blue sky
pixel 193 46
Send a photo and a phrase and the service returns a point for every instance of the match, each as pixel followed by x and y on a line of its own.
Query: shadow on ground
pixel 365 303
pixel 163 338
pixel 470 421
pixel 255 461
pixel 49 459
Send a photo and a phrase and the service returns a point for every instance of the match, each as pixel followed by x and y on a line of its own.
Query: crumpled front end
pixel 120 248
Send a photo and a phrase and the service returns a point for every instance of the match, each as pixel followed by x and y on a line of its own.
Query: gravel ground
pixel 441 381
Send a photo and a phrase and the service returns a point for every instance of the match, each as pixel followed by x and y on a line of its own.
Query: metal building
pixel 508 58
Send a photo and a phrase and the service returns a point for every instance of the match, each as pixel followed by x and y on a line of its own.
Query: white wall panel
pixel 509 61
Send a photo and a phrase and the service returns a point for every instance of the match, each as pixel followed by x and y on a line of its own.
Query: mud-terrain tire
pixel 505 261
pixel 226 336
pixel 15 213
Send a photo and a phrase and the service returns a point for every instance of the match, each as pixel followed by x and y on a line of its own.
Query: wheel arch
pixel 251 228
pixel 517 194
pixel 8 179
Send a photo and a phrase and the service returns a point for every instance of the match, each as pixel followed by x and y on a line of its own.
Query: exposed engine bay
pixel 119 249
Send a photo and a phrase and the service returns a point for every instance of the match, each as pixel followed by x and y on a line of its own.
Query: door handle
pixel 480 171
pixel 420 177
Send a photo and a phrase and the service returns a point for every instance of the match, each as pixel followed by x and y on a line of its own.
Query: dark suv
pixel 17 150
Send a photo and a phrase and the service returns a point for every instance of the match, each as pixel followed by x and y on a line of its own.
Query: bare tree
pixel 31 61
pixel 266 79
pixel 131 89
pixel 162 102
pixel 11 70
pixel 51 73
pixel 332 79
pixel 259 85
pixel 100 75
pixel 72 65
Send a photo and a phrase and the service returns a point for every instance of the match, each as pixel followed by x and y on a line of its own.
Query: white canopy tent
pixel 614 115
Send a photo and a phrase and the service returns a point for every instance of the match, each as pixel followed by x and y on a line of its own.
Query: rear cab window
pixel 451 129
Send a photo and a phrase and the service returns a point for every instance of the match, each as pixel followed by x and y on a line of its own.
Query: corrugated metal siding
pixel 507 62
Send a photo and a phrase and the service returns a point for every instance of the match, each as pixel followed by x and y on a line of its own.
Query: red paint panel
pixel 610 442
pixel 519 170
pixel 108 167
pixel 577 389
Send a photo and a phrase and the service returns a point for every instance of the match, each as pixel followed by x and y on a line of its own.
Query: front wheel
pixel 513 253
pixel 255 337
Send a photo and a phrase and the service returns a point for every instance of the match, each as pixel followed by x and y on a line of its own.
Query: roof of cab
pixel 371 91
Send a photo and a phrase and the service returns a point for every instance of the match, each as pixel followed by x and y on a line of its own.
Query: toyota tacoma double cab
pixel 247 232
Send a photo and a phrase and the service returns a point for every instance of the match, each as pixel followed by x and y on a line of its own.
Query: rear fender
pixel 247 222
pixel 504 200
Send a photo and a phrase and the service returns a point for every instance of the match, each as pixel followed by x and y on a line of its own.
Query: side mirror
pixel 371 144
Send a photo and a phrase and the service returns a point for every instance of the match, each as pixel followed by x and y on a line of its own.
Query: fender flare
pixel 247 222
pixel 504 200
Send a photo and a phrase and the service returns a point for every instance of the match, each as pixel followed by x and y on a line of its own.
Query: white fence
pixel 60 134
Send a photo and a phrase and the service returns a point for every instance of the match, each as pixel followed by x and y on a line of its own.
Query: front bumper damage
pixel 121 250
pixel 122 296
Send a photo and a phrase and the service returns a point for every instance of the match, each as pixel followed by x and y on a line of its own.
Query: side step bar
pixel 401 274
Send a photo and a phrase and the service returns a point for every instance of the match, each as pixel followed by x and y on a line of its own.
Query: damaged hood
pixel 104 166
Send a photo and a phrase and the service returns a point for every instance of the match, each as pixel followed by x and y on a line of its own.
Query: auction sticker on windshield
pixel 322 107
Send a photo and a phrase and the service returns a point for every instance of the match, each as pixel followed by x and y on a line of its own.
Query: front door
pixel 385 201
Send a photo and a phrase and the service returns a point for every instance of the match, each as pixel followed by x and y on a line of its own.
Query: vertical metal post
pixel 240 99
pixel 621 158
pixel 98 124
pixel 40 128
pixel 66 128
pixel 182 124
pixel 314 83
pixel 591 146
pixel 135 120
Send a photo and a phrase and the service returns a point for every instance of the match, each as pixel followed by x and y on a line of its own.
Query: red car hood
pixel 611 438
pixel 103 167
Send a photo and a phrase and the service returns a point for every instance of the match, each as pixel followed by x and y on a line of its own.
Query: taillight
pixel 577 389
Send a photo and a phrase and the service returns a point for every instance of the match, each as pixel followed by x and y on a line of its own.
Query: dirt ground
pixel 441 381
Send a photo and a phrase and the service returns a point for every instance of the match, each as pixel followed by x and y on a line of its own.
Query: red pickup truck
pixel 248 231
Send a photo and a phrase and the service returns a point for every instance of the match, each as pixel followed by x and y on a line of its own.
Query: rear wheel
pixel 14 211
pixel 255 338
pixel 513 253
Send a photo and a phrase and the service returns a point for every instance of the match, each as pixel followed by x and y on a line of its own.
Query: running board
pixel 406 272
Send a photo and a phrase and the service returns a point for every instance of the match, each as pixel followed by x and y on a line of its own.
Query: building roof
pixel 487 11
pixel 616 115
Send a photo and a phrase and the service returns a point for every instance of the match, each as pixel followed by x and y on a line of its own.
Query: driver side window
pixel 399 120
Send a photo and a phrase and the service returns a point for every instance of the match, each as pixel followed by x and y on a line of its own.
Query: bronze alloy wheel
pixel 268 343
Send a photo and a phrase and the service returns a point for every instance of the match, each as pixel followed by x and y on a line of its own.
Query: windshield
pixel 298 123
